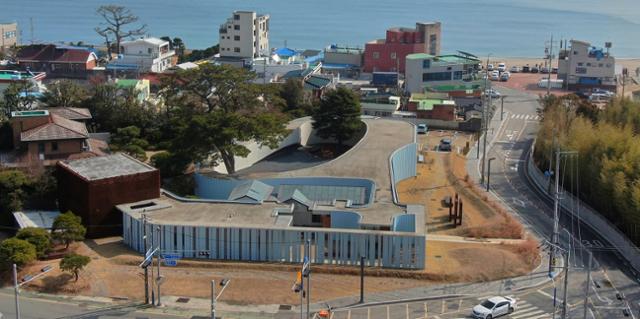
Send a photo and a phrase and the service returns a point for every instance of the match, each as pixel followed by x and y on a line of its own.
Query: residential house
pixel 388 55
pixel 428 107
pixel 65 62
pixel 345 61
pixel 141 87
pixel 583 66
pixel 244 35
pixel 424 69
pixel 379 105
pixel 9 35
pixel 145 55
pixel 51 135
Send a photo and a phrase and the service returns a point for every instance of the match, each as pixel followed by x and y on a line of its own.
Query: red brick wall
pixel 95 201
pixel 439 112
pixel 384 63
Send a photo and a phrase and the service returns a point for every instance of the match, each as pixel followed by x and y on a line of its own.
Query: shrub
pixel 38 237
pixel 17 251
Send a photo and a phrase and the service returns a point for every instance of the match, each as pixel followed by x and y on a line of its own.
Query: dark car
pixel 526 69
pixel 445 145
pixel 534 69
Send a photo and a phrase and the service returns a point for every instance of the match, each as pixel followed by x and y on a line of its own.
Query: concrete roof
pixel 102 167
pixel 151 40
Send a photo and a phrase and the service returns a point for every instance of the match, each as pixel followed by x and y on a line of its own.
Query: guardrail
pixel 588 215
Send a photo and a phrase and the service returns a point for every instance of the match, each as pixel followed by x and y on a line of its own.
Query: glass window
pixel 581 70
pixel 149 50
pixel 54 146
pixel 436 76
pixel 588 64
pixel 236 49
pixel 236 17
pixel 457 75
pixel 40 147
pixel 376 55
pixel 580 64
pixel 426 64
pixel 236 37
pixel 236 27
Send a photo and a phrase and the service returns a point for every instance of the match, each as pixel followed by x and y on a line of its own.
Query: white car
pixel 489 67
pixel 494 307
pixel 514 69
pixel 422 129
pixel 493 93
pixel 502 67
pixel 494 76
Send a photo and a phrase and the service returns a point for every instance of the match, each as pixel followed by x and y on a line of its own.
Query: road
pixel 41 308
pixel 509 182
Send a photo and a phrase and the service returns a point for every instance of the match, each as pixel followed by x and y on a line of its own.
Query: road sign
pixel 170 262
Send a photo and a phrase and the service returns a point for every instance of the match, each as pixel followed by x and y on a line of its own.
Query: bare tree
pixel 115 19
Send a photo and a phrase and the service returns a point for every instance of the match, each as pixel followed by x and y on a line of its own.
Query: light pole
pixel 16 288
pixel 485 114
pixel 502 107
pixel 489 172
pixel 213 299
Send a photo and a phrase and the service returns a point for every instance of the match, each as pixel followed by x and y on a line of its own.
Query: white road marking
pixel 545 294
pixel 534 312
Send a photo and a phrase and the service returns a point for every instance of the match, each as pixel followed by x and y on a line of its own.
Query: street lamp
pixel 489 172
pixel 25 280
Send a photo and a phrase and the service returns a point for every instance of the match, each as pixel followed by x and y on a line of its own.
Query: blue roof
pixel 119 66
pixel 338 66
pixel 254 190
pixel 315 59
pixel 299 197
pixel 285 52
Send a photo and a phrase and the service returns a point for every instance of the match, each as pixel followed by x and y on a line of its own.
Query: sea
pixel 506 28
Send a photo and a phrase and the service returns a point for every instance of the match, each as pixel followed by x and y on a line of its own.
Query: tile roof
pixel 102 167
pixel 315 82
pixel 58 128
pixel 51 53
pixel 71 113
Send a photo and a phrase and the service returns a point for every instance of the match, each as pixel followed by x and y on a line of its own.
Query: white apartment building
pixel 147 55
pixel 583 66
pixel 245 35
pixel 423 69
pixel 8 35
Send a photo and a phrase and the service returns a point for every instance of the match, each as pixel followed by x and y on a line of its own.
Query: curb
pixel 406 300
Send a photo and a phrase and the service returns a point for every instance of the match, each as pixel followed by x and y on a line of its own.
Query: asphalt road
pixel 611 273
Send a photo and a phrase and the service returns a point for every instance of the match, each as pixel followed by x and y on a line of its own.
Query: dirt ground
pixel 114 272
pixel 443 174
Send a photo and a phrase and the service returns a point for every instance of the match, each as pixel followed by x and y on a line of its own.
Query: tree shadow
pixel 53 284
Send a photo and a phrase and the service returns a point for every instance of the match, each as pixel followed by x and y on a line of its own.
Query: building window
pixel 376 55
pixel 236 37
pixel 588 64
pixel 457 75
pixel 54 146
pixel 236 17
pixel 433 44
pixel 608 65
pixel 40 147
pixel 426 64
pixel 393 55
pixel 575 52
pixel 580 64
pixel 600 65
pixel 149 50
pixel 236 27
pixel 581 70
pixel 436 76
pixel 236 49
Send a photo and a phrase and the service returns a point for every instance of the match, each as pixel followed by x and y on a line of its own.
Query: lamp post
pixel 489 172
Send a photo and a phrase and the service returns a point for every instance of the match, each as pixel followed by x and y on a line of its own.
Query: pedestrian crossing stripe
pixel 524 310
pixel 526 117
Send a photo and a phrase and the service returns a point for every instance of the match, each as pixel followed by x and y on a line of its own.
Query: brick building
pixel 92 187
pixel 388 55
pixel 58 61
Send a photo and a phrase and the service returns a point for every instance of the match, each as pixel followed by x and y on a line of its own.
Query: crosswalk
pixel 525 310
pixel 526 117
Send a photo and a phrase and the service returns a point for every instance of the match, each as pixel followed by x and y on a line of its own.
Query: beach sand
pixel 630 64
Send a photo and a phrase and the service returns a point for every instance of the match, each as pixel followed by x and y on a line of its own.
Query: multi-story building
pixel 245 35
pixel 9 35
pixel 583 66
pixel 423 69
pixel 145 55
pixel 388 55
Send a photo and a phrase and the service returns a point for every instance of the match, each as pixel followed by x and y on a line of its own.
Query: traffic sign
pixel 170 262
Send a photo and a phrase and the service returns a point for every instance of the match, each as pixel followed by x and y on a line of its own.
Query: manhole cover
pixel 285 307
pixel 183 300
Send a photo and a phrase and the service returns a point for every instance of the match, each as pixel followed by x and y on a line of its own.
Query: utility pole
pixel 566 284
pixel 159 253
pixel 213 299
pixel 361 279
pixel 502 106
pixel 17 290
pixel 146 271
pixel 586 291
pixel 489 172
pixel 549 68
pixel 308 275
pixel 153 287
pixel 554 236
pixel 484 119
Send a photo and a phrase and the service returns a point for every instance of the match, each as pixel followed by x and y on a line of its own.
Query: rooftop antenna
pixel 608 46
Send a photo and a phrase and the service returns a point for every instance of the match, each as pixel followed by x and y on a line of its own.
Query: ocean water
pixel 510 28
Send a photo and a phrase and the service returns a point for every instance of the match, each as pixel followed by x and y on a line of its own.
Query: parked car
pixel 545 70
pixel 534 69
pixel 526 69
pixel 422 129
pixel 502 67
pixel 492 93
pixel 504 77
pixel 599 97
pixel 554 70
pixel 489 67
pixel 494 76
pixel 603 91
pixel 514 69
pixel 494 307
pixel 445 145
